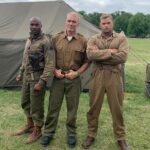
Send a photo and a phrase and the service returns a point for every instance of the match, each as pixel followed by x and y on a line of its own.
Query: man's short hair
pixel 105 16
pixel 36 18
pixel 74 13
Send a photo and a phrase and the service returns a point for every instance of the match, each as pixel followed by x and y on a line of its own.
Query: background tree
pixel 148 19
pixel 138 26
pixel 121 22
pixel 91 17
pixel 116 14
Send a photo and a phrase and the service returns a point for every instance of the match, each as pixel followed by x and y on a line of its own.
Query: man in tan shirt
pixel 37 66
pixel 107 50
pixel 71 61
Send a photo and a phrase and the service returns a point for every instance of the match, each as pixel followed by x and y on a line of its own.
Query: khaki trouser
pixel 109 82
pixel 71 89
pixel 32 101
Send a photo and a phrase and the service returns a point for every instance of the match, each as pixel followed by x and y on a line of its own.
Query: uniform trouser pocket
pixel 73 90
pixel 33 102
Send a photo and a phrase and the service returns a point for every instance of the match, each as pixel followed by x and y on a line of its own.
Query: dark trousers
pixel 32 101
pixel 71 89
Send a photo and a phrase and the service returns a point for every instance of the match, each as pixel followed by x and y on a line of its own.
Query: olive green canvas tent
pixel 14 29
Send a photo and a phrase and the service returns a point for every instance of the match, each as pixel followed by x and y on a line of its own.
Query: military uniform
pixel 70 55
pixel 33 101
pixel 106 78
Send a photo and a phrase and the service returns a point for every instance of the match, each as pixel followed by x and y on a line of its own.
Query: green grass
pixel 139 56
pixel 136 112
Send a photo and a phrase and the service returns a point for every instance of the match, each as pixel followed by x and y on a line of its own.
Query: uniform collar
pixel 65 36
pixel 114 34
pixel 36 38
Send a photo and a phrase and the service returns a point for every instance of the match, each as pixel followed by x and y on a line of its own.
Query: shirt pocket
pixel 79 55
pixel 59 52
pixel 59 55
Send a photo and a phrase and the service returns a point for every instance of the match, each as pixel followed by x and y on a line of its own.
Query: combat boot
pixel 123 145
pixel 35 135
pixel 28 128
pixel 88 142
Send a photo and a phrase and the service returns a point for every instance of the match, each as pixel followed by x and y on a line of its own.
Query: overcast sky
pixel 106 6
pixel 109 6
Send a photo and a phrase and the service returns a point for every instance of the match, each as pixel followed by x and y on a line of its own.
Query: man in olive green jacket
pixel 71 61
pixel 107 50
pixel 37 66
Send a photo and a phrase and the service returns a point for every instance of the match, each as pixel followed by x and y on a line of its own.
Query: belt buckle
pixel 65 72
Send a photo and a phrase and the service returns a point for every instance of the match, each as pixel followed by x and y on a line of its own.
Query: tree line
pixel 137 25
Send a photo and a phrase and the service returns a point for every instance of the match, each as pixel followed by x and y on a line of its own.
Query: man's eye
pixel 34 24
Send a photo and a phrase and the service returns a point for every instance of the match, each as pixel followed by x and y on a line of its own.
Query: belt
pixel 109 67
pixel 64 71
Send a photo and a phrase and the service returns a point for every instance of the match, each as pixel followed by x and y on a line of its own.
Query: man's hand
pixel 38 87
pixel 113 51
pixel 18 77
pixel 94 48
pixel 58 73
pixel 71 74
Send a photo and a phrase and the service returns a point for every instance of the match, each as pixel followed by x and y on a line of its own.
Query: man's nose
pixel 71 23
pixel 34 27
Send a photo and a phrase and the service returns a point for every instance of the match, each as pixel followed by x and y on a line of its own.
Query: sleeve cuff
pixel 78 73
pixel 42 82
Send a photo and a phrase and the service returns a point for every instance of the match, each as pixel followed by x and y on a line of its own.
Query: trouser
pixel 32 101
pixel 106 81
pixel 71 89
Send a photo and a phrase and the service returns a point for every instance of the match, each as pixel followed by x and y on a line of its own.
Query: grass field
pixel 136 112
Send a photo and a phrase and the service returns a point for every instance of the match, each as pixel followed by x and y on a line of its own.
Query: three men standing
pixel 107 50
pixel 37 67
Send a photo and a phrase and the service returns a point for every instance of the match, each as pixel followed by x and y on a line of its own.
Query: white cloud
pixel 109 6
pixel 143 3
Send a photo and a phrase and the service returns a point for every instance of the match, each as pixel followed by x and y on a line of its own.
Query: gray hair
pixel 74 14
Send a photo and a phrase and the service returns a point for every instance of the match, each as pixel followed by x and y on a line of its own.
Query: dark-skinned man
pixel 37 66
pixel 107 50
pixel 71 61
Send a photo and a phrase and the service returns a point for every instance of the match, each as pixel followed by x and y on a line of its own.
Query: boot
pixel 123 145
pixel 36 134
pixel 88 142
pixel 28 128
